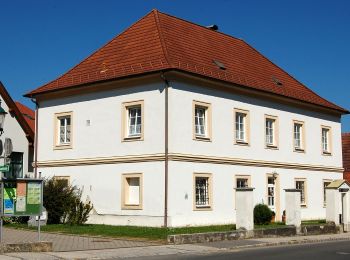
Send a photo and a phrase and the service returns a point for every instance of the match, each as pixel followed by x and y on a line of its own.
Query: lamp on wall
pixel 274 175
pixel 2 119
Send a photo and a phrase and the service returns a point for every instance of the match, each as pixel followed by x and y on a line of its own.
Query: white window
pixel 241 126
pixel 202 191
pixel 326 140
pixel 132 191
pixel 242 182
pixel 201 120
pixel 271 192
pixel 325 184
pixel 65 126
pixel 298 134
pixel 134 121
pixel 270 131
pixel 301 185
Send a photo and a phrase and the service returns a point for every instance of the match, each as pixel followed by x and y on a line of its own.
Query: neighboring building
pixel 160 125
pixel 19 133
pixel 346 155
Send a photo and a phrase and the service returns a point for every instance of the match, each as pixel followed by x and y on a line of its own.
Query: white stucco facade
pixel 99 157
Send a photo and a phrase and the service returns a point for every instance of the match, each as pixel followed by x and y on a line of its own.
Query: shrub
pixel 262 214
pixel 63 203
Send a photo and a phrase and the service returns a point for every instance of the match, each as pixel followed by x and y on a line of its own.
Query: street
pixel 319 251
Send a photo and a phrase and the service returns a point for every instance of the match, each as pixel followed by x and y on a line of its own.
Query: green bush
pixel 262 214
pixel 63 203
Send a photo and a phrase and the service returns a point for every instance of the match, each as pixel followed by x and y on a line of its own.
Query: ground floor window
pixel 271 192
pixel 62 179
pixel 202 191
pixel 325 184
pixel 132 191
pixel 16 165
pixel 300 184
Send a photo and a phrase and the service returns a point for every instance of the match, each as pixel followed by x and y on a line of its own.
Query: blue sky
pixel 41 39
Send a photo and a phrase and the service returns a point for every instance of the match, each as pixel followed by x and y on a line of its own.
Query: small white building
pixel 160 125
pixel 18 136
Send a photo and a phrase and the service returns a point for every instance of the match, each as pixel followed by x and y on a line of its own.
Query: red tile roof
pixel 159 41
pixel 346 155
pixel 19 111
pixel 28 114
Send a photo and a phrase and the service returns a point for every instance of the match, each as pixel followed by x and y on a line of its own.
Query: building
pixel 160 125
pixel 346 155
pixel 18 133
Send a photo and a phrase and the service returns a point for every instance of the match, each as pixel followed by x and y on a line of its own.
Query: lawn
pixel 126 231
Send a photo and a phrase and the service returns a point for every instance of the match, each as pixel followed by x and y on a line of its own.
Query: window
pixel 326 140
pixel 132 191
pixel 241 126
pixel 63 130
pixel 16 166
pixel 325 184
pixel 271 192
pixel 63 179
pixel 298 134
pixel 201 120
pixel 202 191
pixel 242 181
pixel 133 121
pixel 271 131
pixel 300 184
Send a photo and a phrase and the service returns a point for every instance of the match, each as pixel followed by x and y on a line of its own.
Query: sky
pixel 42 39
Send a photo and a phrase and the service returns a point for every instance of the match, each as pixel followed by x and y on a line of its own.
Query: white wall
pixel 103 137
pixel 222 145
pixel 13 130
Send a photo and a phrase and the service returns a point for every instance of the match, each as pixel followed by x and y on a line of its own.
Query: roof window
pixel 277 81
pixel 219 64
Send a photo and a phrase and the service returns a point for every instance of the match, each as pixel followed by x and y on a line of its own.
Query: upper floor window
pixel 298 134
pixel 202 120
pixel 63 130
pixel 241 126
pixel 271 129
pixel 133 120
pixel 326 140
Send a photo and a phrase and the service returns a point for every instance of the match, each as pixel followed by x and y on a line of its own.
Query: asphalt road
pixel 320 251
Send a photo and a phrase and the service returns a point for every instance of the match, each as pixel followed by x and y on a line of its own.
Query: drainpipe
pixel 166 147
pixel 36 137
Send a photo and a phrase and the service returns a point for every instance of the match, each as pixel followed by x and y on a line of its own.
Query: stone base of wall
pixel 26 247
pixel 258 233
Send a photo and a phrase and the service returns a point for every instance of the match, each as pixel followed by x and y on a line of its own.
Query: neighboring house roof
pixel 346 155
pixel 28 114
pixel 159 42
pixel 21 112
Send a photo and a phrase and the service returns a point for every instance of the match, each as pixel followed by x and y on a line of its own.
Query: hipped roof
pixel 159 42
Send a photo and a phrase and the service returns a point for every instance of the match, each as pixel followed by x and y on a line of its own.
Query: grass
pixel 125 231
pixel 313 222
pixel 271 225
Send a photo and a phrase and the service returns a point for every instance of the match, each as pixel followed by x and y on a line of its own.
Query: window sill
pixel 202 138
pixel 272 147
pixel 325 153
pixel 62 146
pixel 299 150
pixel 133 138
pixel 202 208
pixel 303 206
pixel 243 143
pixel 132 207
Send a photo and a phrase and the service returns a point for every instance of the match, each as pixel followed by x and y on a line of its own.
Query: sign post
pixel 21 197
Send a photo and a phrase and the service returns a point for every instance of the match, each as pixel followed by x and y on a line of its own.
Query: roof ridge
pixel 274 64
pixel 162 42
pixel 96 51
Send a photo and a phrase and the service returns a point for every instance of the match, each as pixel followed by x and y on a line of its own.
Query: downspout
pixel 36 137
pixel 166 147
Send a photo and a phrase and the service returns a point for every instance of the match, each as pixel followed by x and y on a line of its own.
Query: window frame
pixel 208 122
pixel 240 176
pixel 329 140
pixel 62 177
pixel 300 149
pixel 304 205
pixel 275 134
pixel 57 144
pixel 210 192
pixel 324 191
pixel 246 125
pixel 125 121
pixel 125 189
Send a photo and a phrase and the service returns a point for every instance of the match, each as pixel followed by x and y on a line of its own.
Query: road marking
pixel 342 253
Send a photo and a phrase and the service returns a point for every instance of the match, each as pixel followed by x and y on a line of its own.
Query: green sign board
pixel 22 197
pixel 5 168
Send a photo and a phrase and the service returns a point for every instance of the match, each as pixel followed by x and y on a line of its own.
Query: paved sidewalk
pixel 70 242
pixel 184 250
